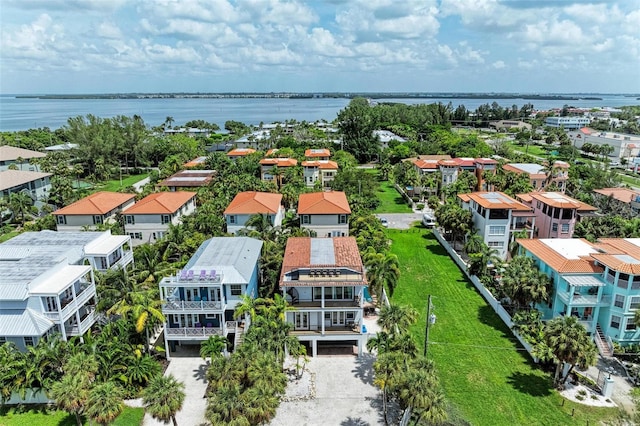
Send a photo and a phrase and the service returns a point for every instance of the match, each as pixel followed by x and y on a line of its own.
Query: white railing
pixel 84 325
pixel 231 326
pixel 187 332
pixel 578 299
pixel 184 305
pixel 87 293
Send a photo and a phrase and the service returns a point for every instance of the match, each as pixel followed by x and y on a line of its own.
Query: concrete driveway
pixel 344 395
pixel 400 220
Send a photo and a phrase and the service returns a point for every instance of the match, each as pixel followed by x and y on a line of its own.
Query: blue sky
pixel 527 46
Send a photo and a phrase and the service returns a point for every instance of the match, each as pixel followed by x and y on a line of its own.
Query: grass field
pixel 114 185
pixel 42 416
pixel 8 236
pixel 486 375
pixel 390 200
pixel 533 149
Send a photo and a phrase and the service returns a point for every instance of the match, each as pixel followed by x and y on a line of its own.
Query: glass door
pixel 302 321
pixel 338 318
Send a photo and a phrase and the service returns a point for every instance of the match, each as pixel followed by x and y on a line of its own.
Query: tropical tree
pixel 383 270
pixel 20 205
pixel 71 394
pixel 163 398
pixel 213 346
pixel 525 284
pixel 144 308
pixel 396 319
pixel 105 403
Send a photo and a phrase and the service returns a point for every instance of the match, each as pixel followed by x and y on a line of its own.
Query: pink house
pixel 556 214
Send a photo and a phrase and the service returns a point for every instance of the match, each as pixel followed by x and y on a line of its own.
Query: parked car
pixel 428 220
pixel 384 222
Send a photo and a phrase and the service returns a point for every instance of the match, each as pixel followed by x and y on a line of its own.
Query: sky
pixel 124 46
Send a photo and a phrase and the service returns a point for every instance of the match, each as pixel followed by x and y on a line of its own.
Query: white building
pixel 250 203
pixel 624 146
pixel 567 122
pixel 325 213
pixel 323 171
pixel 36 184
pixel 11 154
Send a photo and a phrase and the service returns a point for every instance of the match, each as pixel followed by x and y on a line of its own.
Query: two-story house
pixel 199 301
pixel 324 279
pixel 267 166
pixel 47 283
pixel 188 179
pixel 246 204
pixel 36 184
pixel 96 209
pixel 496 217
pixel 323 171
pixel 599 283
pixel 556 213
pixel 541 176
pixel 148 220
pixel 236 153
pixel 321 154
pixel 22 158
pixel 624 196
pixel 325 213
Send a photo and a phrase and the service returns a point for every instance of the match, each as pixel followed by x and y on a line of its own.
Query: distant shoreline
pixel 320 95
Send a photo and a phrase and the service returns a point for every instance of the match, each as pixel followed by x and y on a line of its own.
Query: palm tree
pixel 569 343
pixel 163 398
pixel 71 394
pixel 144 308
pixel 12 371
pixel 524 284
pixel 105 403
pixel 421 393
pixel 168 121
pixel 396 319
pixel 20 203
pixel 213 346
pixel 382 270
pixel 387 368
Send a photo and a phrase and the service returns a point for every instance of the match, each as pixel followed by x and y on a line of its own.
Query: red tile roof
pixel 425 164
pixel 621 194
pixel 240 152
pixel 97 203
pixel 321 164
pixel 494 200
pixel 556 199
pixel 161 203
pixel 253 202
pixel 486 161
pixel 559 262
pixel 620 254
pixel 330 202
pixel 314 153
pixel 280 162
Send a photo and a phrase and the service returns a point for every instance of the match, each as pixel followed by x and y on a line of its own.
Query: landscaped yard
pixel 488 377
pixel 41 416
pixel 114 185
pixel 390 200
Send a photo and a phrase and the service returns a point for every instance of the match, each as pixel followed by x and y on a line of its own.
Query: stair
pixel 239 337
pixel 601 343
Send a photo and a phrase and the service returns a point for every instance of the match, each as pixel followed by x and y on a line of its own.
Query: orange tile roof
pixel 425 164
pixel 429 157
pixel 312 153
pixel 620 254
pixel 464 161
pixel 494 200
pixel 240 152
pixel 448 163
pixel 330 202
pixel 486 161
pixel 161 203
pixel 195 162
pixel 188 178
pixel 561 262
pixel 271 152
pixel 253 202
pixel 556 199
pixel 97 203
pixel 280 162
pixel 297 255
pixel 621 194
pixel 321 164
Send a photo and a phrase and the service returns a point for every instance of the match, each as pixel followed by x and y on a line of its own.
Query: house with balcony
pixel 199 300
pixel 540 176
pixel 36 184
pixel 148 220
pixel 497 217
pixel 22 158
pixel 325 213
pixel 100 208
pixel 267 166
pixel 246 204
pixel 47 283
pixel 324 280
pixel 556 214
pixel 626 196
pixel 318 154
pixel 599 283
pixel 323 171
pixel 188 179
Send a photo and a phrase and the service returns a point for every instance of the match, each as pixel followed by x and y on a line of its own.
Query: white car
pixel 428 220
pixel 384 222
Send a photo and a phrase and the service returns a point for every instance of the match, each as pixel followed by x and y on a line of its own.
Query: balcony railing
pixel 579 299
pixel 87 322
pixel 230 326
pixel 327 303
pixel 71 305
pixel 192 332
pixel 184 305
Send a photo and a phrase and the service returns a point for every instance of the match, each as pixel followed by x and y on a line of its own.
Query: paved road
pixel 401 220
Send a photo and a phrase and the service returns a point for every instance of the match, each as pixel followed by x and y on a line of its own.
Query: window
pixel 619 302
pixel 565 228
pixel 28 341
pixel 631 325
pixel 306 219
pixel 615 321
pixel 554 227
pixel 635 302
pixel 131 220
pixel 62 220
pixel 166 219
pixel 342 219
pixel 497 230
pixel 3 340
pixel 232 219
pixel 97 220
pixel 138 235
pixel 236 289
pixel 499 244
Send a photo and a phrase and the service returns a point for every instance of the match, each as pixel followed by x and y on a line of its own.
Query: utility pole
pixel 428 322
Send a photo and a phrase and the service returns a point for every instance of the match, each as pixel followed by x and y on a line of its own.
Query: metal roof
pixel 322 252
pixel 584 280
pixel 23 322
pixel 235 257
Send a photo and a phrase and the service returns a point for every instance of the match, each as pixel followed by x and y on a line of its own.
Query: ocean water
pixel 22 114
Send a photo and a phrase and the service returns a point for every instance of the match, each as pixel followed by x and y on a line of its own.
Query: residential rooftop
pixel 161 203
pixel 240 152
pixel 12 153
pixel 556 199
pixel 98 203
pixel 321 164
pixel 494 200
pixel 252 202
pixel 189 178
pixel 328 202
pixel 621 194
pixel 307 252
pixel 320 152
pixel 12 178
pixel 280 162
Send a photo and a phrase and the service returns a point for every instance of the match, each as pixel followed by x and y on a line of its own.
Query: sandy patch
pixel 589 397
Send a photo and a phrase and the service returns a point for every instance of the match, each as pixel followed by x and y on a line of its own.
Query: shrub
pixel 582 392
pixel 420 206
pixel 594 397
pixel 580 397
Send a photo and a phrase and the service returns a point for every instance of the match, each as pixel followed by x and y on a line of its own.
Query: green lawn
pixel 42 416
pixel 533 149
pixel 390 200
pixel 486 376
pixel 114 185
pixel 8 236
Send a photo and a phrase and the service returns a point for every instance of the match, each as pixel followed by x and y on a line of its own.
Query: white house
pixel 567 122
pixel 11 154
pixel 36 184
pixel 246 204
pixel 148 220
pixel 323 171
pixel 325 213
pixel 93 210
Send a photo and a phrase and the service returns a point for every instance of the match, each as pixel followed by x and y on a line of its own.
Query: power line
pixel 477 346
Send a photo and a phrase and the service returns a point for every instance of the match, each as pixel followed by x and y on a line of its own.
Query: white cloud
pixel 108 30
pixel 498 65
